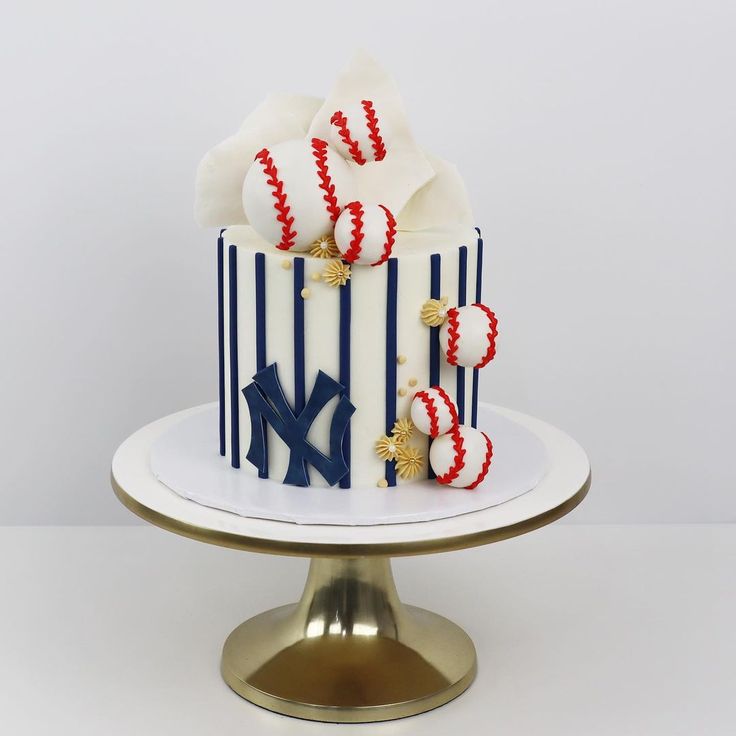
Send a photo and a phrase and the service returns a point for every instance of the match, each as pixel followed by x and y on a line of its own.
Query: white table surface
pixel 592 630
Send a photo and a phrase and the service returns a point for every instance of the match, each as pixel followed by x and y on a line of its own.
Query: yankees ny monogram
pixel 266 401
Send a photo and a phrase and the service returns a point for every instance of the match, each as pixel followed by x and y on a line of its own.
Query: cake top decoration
pixel 360 148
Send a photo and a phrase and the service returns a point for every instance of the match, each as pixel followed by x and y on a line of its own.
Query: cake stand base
pixel 349 651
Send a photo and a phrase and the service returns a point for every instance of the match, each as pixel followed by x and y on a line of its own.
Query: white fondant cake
pixel 324 344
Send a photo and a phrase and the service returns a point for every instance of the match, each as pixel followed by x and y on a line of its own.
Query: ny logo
pixel 267 403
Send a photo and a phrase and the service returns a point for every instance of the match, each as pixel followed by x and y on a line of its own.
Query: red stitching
pixel 453 331
pixel 288 235
pixel 319 149
pixel 374 132
pixel 449 404
pixel 491 335
pixel 390 236
pixel 341 123
pixel 356 211
pixel 434 421
pixel 486 463
pixel 458 462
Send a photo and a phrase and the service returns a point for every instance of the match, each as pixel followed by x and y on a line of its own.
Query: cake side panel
pixel 368 338
pixel 413 361
pixel 321 348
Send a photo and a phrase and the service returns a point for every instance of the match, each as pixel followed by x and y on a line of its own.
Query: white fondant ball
pixel 468 336
pixel 360 133
pixel 461 458
pixel 365 233
pixel 433 412
pixel 294 192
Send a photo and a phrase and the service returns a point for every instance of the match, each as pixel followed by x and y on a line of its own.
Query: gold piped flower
pixel 408 461
pixel 324 247
pixel 387 447
pixel 336 273
pixel 434 312
pixel 402 430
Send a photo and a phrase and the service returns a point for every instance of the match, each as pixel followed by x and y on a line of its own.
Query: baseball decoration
pixel 461 459
pixel 468 336
pixel 365 233
pixel 294 192
pixel 359 133
pixel 434 412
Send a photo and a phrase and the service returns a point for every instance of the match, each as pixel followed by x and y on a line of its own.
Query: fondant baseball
pixel 359 133
pixel 461 458
pixel 365 233
pixel 468 335
pixel 433 412
pixel 294 192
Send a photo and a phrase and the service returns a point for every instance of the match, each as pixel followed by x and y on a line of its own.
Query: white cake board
pixel 185 458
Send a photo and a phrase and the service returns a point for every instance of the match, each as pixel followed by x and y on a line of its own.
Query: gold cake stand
pixel 350 651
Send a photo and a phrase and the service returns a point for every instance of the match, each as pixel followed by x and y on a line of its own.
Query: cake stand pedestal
pixel 350 651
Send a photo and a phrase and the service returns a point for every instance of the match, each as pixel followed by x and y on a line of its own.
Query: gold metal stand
pixel 349 651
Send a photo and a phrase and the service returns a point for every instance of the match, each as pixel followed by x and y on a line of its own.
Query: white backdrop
pixel 597 141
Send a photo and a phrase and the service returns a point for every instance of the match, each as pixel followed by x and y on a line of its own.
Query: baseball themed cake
pixel 352 329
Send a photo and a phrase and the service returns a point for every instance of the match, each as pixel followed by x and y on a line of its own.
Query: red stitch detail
pixel 374 132
pixel 459 460
pixel 486 463
pixel 356 211
pixel 453 331
pixel 288 235
pixel 434 420
pixel 449 404
pixel 390 236
pixel 319 149
pixel 492 334
pixel 341 123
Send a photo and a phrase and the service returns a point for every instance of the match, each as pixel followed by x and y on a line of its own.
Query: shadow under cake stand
pixel 350 651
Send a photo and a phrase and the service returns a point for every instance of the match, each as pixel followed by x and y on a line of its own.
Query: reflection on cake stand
pixel 350 650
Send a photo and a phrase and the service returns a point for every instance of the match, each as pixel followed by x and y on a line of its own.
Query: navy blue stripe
pixel 345 316
pixel 221 339
pixel 260 264
pixel 434 332
pixel 478 300
pixel 299 388
pixel 234 391
pixel 391 349
pixel 461 302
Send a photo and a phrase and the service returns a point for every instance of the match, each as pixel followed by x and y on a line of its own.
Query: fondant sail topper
pixel 422 191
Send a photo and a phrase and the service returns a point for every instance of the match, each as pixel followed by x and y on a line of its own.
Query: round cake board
pixel 186 459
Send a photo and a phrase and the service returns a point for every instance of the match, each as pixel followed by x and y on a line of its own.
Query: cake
pixel 351 324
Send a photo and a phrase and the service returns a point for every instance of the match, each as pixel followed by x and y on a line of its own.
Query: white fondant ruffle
pixel 423 191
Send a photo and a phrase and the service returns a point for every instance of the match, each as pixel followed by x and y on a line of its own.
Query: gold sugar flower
pixel 402 430
pixel 408 461
pixel 336 273
pixel 434 312
pixel 387 447
pixel 324 247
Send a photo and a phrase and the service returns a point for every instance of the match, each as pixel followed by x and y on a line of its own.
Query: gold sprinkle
pixel 383 483
pixel 401 359
pixel 286 264
pixel 306 293
pixel 408 461
pixel 402 391
pixel 413 381
pixel 316 276
pixel 434 312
